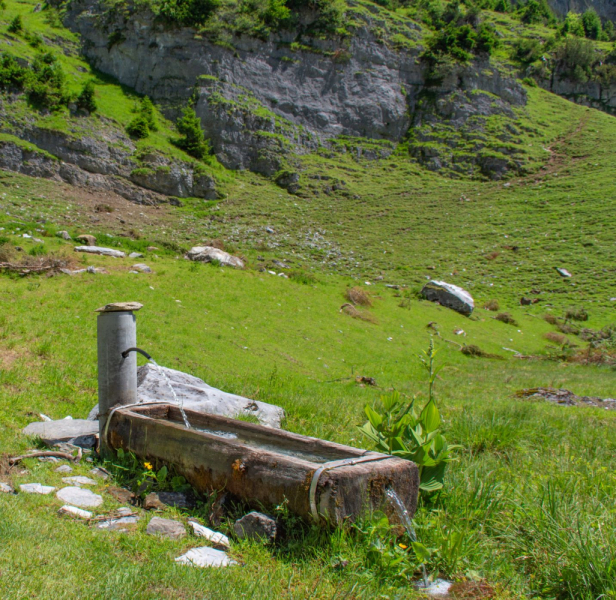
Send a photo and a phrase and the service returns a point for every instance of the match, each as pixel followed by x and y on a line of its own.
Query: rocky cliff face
pixel 605 8
pixel 261 101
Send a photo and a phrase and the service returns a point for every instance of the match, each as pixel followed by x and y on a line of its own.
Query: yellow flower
pixel 403 546
pixel 148 466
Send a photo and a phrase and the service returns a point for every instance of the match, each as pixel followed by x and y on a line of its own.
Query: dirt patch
pixel 7 358
pixel 566 398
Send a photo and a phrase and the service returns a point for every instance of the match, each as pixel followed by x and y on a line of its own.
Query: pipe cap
pixel 120 307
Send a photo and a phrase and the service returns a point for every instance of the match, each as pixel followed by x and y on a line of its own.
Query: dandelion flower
pixel 148 466
pixel 403 546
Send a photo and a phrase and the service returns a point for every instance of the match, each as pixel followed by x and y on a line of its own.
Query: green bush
pixel 192 141
pixel 592 24
pixel 537 11
pixel 148 112
pixel 86 99
pixel 576 58
pixel 527 50
pixel 573 25
pixel 188 12
pixel 138 128
pixel 16 25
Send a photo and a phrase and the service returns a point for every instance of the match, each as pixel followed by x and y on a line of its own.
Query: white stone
pixel 142 267
pixel 449 295
pixel 78 480
pixel 563 272
pixel 6 488
pixel 439 587
pixel 215 537
pixel 36 488
pixel 135 255
pixel 75 512
pixel 79 432
pixel 118 524
pixel 64 469
pixel 205 557
pixel 100 250
pixel 209 253
pixel 79 496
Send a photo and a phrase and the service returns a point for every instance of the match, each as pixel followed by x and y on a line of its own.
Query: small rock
pixel 269 230
pixel 102 251
pixel 5 488
pixel 281 264
pixel 438 587
pixel 217 539
pixel 162 499
pixel 88 240
pixel 77 432
pixel 64 235
pixel 449 295
pixel 209 253
pixel 141 267
pixel 64 469
pixel 75 512
pixel 36 488
pixel 205 557
pixel 99 473
pixel 121 524
pixel 79 496
pixel 563 272
pixel 166 527
pixel 123 496
pixel 256 526
pixel 79 480
pixel 152 248
pixel 120 307
pixel 135 255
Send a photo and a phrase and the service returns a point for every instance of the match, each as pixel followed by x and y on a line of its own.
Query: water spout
pixel 406 521
pixel 179 403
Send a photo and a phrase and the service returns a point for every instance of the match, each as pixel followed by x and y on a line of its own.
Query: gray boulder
pixel 209 253
pixel 78 432
pixel 256 526
pixel 65 235
pixel 449 295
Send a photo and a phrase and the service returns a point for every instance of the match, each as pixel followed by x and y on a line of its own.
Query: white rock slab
pixel 78 480
pixel 100 250
pixel 209 253
pixel 205 557
pixel 36 488
pixel 118 524
pixel 438 587
pixel 6 488
pixel 64 469
pixel 79 432
pixel 79 497
pixel 215 537
pixel 75 512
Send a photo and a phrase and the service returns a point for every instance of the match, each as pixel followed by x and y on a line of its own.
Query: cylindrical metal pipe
pixel 117 376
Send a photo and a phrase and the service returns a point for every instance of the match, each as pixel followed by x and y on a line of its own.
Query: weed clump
pixel 506 318
pixel 358 297
pixel 492 305
pixel 576 314
pixel 303 277
pixel 557 338
pixel 350 310
pixel 551 319
pixel 477 352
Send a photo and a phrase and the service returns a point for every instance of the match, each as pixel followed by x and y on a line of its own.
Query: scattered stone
pixel 88 240
pixel 65 235
pixel 52 459
pixel 196 395
pixel 217 539
pixel 124 511
pixel 563 272
pixel 269 230
pixel 97 472
pixel 5 488
pixel 566 398
pixel 209 253
pixel 121 524
pixel 256 526
pixel 120 307
pixel 64 469
pixel 102 251
pixel 143 268
pixel 79 480
pixel 135 255
pixel 449 295
pixel 438 587
pixel 79 496
pixel 160 500
pixel 122 495
pixel 392 286
pixel 36 488
pixel 205 557
pixel 75 512
pixel 152 248
pixel 78 432
pixel 166 527
pixel 45 417
pixel 281 264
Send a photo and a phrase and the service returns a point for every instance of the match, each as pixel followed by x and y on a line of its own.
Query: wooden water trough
pixel 264 466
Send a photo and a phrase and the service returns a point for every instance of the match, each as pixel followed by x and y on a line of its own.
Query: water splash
pixel 178 402
pixel 406 520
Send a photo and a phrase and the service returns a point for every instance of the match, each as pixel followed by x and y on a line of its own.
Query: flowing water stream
pixel 178 402
pixel 406 520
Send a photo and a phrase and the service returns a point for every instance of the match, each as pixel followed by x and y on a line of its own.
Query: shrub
pixel 576 58
pixel 476 352
pixel 148 112
pixel 46 83
pixel 349 309
pixel 2 5
pixel 138 128
pixel 303 277
pixel 557 338
pixel 503 6
pixel 86 99
pixel 192 141
pixel 537 11
pixel 506 318
pixel 576 314
pixel 16 25
pixel 527 50
pixel 551 319
pixel 573 25
pixel 188 12
pixel 492 305
pixel 357 296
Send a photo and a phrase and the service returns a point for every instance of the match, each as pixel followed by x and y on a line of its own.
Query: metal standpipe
pixel 117 375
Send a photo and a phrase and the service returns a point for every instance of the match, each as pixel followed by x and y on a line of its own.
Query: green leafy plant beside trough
pixel 397 428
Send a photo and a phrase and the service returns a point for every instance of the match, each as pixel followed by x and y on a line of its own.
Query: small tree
pixel 86 99
pixel 147 111
pixel 16 25
pixel 592 24
pixel 192 141
pixel 138 128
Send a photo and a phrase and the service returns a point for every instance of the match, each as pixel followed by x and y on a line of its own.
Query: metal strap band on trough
pixel 121 407
pixel 334 464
